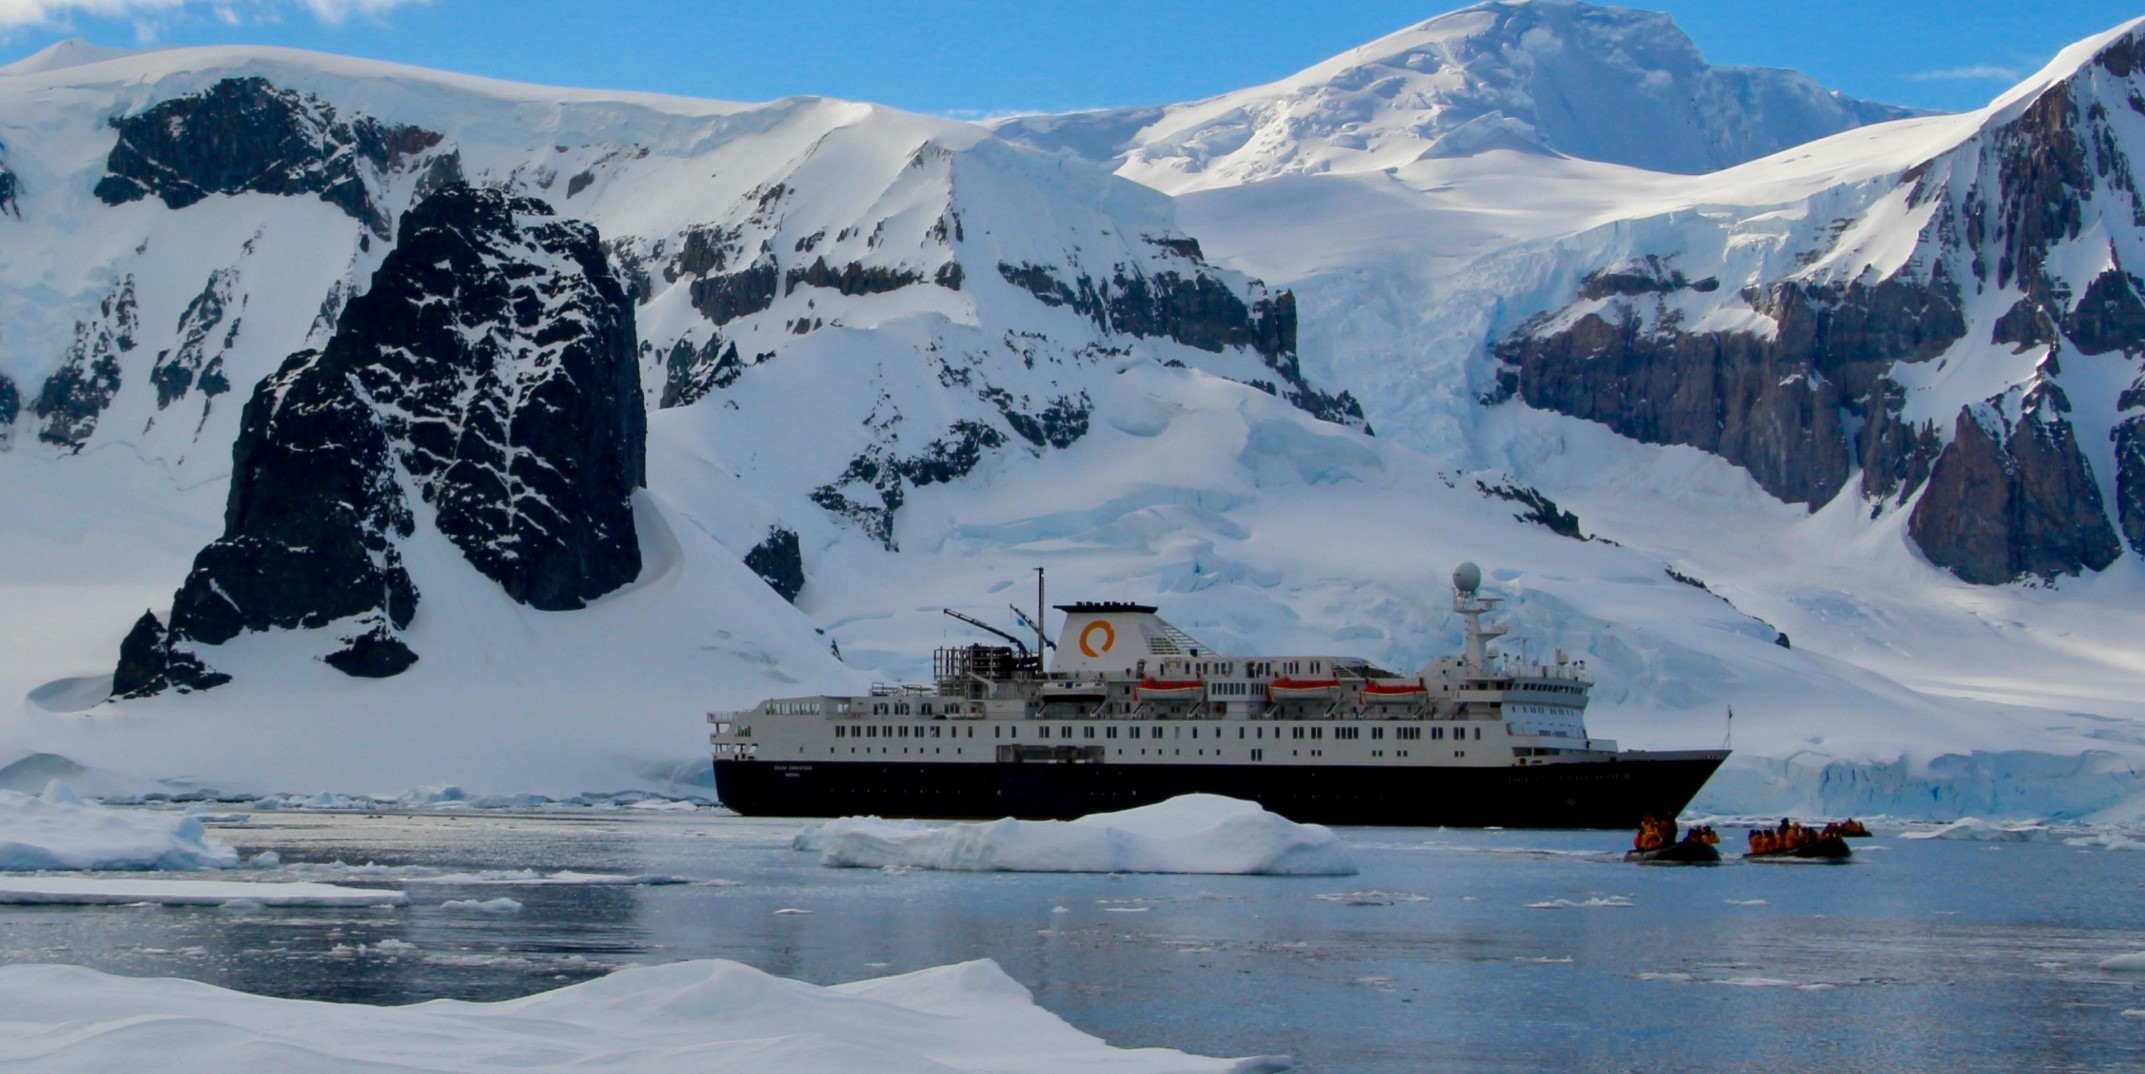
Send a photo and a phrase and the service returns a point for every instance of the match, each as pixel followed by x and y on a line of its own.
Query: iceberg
pixel 712 1016
pixel 1193 833
pixel 57 830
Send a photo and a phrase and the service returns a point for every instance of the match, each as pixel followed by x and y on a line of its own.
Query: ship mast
pixel 1466 581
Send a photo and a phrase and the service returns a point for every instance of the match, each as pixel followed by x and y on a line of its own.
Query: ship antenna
pixel 1042 641
pixel 1727 741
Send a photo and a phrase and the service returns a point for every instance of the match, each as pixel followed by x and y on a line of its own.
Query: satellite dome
pixel 1467 578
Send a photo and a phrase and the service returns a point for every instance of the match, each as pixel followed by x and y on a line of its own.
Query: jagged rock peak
pixel 246 135
pixel 1602 83
pixel 492 362
pixel 499 349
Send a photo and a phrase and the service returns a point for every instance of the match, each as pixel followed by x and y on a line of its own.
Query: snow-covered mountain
pixel 458 431
pixel 1874 388
pixel 1538 76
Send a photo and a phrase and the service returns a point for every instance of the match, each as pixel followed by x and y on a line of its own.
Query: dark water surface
pixel 1452 951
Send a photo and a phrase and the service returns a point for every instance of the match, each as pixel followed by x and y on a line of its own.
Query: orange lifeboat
pixel 1395 691
pixel 1171 689
pixel 1302 689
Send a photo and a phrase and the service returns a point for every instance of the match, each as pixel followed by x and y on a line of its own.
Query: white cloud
pixel 1980 72
pixel 21 13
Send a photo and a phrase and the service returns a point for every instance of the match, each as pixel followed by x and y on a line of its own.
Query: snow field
pixel 714 1016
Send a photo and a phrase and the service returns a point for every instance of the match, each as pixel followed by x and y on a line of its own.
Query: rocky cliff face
pixel 489 371
pixel 76 395
pixel 1997 264
pixel 246 135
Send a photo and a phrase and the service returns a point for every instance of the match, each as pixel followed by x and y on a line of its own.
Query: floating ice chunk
pixel 1194 833
pixel 482 906
pixel 1985 831
pixel 1748 902
pixel 792 910
pixel 57 830
pixel 714 1016
pixel 1594 901
pixel 2132 963
pixel 81 890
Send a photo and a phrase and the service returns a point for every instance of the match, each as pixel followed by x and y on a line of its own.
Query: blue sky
pixel 983 57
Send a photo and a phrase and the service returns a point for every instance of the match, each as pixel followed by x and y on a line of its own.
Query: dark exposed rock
pixel 76 394
pixel 1059 424
pixel 949 276
pixel 2044 172
pixel 492 360
pixel 10 409
pixel 1896 454
pixel 176 373
pixel 690 373
pixel 725 298
pixel 516 404
pixel 2026 324
pixel 245 135
pixel 1541 510
pixel 150 664
pixel 1183 246
pixel 779 562
pixel 9 188
pixel 2109 316
pixel 377 653
pixel 875 483
pixel 1776 407
pixel 581 181
pixel 2016 500
pixel 1198 311
pixel 1649 276
pixel 2129 437
pixel 703 250
pixel 314 510
pixel 851 279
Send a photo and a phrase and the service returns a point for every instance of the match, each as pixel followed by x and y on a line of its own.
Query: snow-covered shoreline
pixel 709 1015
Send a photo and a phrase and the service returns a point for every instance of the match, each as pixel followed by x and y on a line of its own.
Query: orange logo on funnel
pixel 1109 638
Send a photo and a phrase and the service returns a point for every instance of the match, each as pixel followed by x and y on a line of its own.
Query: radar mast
pixel 1466 582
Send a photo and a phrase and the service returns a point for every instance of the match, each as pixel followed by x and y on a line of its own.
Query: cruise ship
pixel 1125 709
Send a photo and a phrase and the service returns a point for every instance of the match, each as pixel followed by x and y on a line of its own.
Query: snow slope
pixel 1416 272
pixel 1542 77
pixel 709 1015
pixel 935 360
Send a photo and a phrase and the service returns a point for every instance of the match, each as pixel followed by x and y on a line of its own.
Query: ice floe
pixel 58 830
pixel 482 906
pixel 1984 831
pixel 237 895
pixel 2131 963
pixel 710 1016
pixel 1194 833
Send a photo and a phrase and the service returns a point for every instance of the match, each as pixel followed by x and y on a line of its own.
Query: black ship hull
pixel 1592 794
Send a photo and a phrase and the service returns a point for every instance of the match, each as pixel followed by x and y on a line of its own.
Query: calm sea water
pixel 1452 951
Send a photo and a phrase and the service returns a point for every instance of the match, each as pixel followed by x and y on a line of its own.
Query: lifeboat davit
pixel 1301 689
pixel 1395 691
pixel 1171 689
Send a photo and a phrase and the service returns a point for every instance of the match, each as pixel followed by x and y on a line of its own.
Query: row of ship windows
pixel 1065 731
pixel 1256 754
